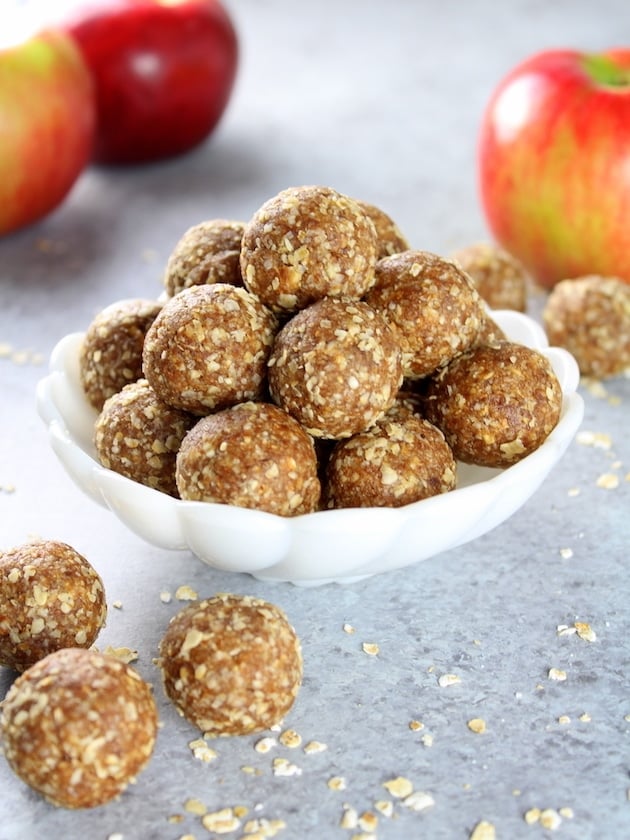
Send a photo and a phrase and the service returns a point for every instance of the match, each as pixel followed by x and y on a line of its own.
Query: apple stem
pixel 606 71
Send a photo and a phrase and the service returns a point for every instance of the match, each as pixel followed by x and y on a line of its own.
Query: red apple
pixel 46 125
pixel 163 69
pixel 554 164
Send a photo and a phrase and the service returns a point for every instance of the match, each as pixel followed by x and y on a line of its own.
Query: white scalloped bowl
pixel 316 548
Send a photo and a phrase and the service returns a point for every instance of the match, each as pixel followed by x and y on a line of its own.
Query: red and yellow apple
pixel 163 72
pixel 46 125
pixel 554 164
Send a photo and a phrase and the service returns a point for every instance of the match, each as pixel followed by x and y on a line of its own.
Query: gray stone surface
pixel 381 101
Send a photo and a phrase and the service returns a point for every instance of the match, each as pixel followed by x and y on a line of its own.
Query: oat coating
pixel 401 459
pixel 78 727
pixel 495 404
pixel 208 348
pixel 111 352
pixel 431 305
pixel 253 455
pixel 138 436
pixel 50 598
pixel 500 278
pixel 208 252
pixel 231 664
pixel 590 317
pixel 336 367
pixel 307 243
pixel 390 239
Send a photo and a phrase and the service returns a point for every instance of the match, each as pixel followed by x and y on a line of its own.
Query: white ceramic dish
pixel 317 548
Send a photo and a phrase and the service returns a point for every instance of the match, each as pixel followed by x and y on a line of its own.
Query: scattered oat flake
pixel 175 819
pixel 566 812
pixel 186 593
pixel 585 631
pixel 370 648
pixel 196 807
pixel 290 738
pixel 585 717
pixel 566 630
pixel 557 674
pixel 483 831
pixel 550 819
pixel 262 827
pixel 574 491
pixel 400 787
pixel 187 837
pixel 348 628
pixel 532 816
pixel 608 481
pixel 5 350
pixel 315 747
pixel 477 725
pixel 368 821
pixel 117 605
pixel 202 751
pixel 600 440
pixel 349 818
pixel 263 745
pixel 116 836
pixel 283 767
pixel 419 800
pixel 221 822
pixel 384 807
pixel 448 679
pixel 124 654
pixel 166 597
pixel 564 720
pixel 566 553
pixel 627 717
pixel 416 725
pixel 336 783
pixel 427 740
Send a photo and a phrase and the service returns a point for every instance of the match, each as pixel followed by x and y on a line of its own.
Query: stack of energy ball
pixel 309 359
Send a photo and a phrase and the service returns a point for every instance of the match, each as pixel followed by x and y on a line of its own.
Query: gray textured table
pixel 381 101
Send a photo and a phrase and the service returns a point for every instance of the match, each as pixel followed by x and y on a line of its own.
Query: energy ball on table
pixel 495 404
pixel 50 598
pixel 590 317
pixel 231 664
pixel 253 455
pixel 207 253
pixel 401 459
pixel 307 243
pixel 336 367
pixel 111 353
pixel 138 436
pixel 500 278
pixel 208 348
pixel 431 305
pixel 390 239
pixel 78 727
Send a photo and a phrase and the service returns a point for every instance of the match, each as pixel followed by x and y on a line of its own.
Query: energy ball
pixel 500 278
pixel 50 598
pixel 307 243
pixel 495 404
pixel 78 727
pixel 401 459
pixel 111 352
pixel 208 348
pixel 390 239
pixel 431 305
pixel 336 367
pixel 207 253
pixel 231 664
pixel 590 317
pixel 253 455
pixel 138 436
